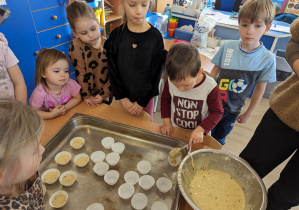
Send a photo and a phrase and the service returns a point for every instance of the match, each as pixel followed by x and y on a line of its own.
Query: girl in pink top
pixel 55 92
pixel 12 82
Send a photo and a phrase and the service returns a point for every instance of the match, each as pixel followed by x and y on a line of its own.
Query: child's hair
pixel 77 10
pixel 46 58
pixel 20 125
pixel 182 60
pixel 295 30
pixel 254 10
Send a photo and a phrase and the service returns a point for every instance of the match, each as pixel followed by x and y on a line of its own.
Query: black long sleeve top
pixel 135 63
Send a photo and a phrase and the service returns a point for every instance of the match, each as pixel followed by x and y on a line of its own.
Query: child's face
pixel 87 30
pixel 250 33
pixel 30 160
pixel 187 84
pixel 57 74
pixel 135 10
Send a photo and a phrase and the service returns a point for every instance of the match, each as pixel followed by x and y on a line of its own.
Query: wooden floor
pixel 240 136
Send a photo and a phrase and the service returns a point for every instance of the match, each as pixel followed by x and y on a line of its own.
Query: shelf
pixel 179 15
pixel 113 17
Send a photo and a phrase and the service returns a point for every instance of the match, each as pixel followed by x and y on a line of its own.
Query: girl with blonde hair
pixel 20 156
pixel 135 52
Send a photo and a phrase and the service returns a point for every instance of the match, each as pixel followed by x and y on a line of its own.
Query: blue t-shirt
pixel 240 71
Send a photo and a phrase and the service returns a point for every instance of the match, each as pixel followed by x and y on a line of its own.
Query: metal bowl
pixel 253 188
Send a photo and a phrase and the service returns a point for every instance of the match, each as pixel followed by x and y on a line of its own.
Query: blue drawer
pixel 64 48
pixel 55 36
pixel 49 18
pixel 42 4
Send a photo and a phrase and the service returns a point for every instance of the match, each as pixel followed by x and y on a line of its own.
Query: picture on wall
pixel 291 6
pixel 278 5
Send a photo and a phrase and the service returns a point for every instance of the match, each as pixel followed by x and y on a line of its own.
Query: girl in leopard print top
pixel 87 54
pixel 20 156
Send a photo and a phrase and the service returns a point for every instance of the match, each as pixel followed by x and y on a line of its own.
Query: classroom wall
pixel 161 4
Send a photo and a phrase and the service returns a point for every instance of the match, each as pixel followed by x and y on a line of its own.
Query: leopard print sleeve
pixel 31 199
pixel 77 57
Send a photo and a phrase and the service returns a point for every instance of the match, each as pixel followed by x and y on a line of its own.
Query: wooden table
pixel 109 113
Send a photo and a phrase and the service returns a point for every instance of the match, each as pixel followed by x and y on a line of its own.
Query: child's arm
pixel 135 109
pixel 73 102
pixel 151 85
pixel 90 101
pixel 19 83
pixel 113 71
pixel 166 128
pixel 215 72
pixel 127 104
pixel 196 136
pixel 55 112
pixel 98 99
pixel 255 100
pixel 78 63
pixel 37 101
pixel 214 116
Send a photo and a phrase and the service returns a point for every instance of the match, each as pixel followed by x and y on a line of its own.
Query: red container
pixel 170 32
pixel 172 23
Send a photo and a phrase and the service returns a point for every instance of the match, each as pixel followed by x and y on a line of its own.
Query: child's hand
pixel 196 136
pixel 90 101
pixel 127 104
pixel 98 99
pixel 166 129
pixel 242 118
pixel 58 110
pixel 54 106
pixel 135 109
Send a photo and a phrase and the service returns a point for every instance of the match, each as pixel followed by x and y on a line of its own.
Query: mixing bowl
pixel 240 171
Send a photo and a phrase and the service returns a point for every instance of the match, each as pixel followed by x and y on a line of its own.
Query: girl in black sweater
pixel 135 53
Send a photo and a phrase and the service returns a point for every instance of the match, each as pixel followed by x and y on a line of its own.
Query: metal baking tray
pixel 89 187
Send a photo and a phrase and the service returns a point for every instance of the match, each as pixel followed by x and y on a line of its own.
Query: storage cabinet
pixel 49 18
pixel 36 24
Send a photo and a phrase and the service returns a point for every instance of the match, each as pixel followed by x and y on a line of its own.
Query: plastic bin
pixel 183 35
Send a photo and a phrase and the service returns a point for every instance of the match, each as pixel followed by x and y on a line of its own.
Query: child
pixel 12 82
pixel 277 136
pixel 190 98
pixel 20 156
pixel 87 54
pixel 240 64
pixel 55 92
pixel 135 53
